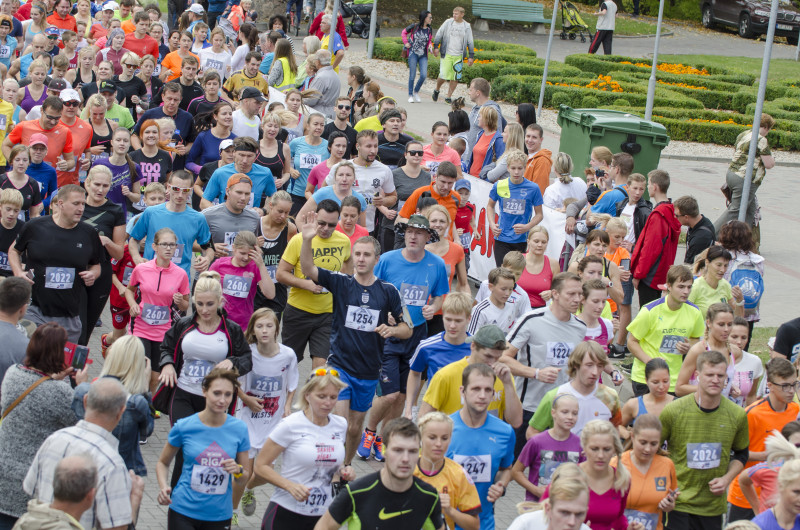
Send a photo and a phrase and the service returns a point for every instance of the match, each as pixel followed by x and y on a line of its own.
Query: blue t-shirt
pixel 189 226
pixel 266 63
pixel 7 49
pixel 328 193
pixel 205 148
pixel 203 448
pixel 516 206
pixel 766 521
pixel 482 452
pixel 45 175
pixel 357 311
pixel 184 129
pixel 25 63
pixel 608 202
pixel 415 281
pixel 337 43
pixel 434 352
pixel 263 184
pixel 304 158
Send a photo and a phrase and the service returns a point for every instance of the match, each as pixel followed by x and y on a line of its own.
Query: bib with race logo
pixel 236 286
pixel 669 344
pixel 210 480
pixel 309 160
pixel 155 315
pixel 416 295
pixel 466 239
pixel 514 206
pixel 4 261
pixel 315 503
pixel 478 467
pixel 703 455
pixel 361 318
pixel 229 237
pixel 196 370
pixel 648 520
pixel 177 258
pixel 558 353
pixel 59 277
pixel 272 270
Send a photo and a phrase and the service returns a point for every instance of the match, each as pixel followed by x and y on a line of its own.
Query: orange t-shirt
pixel 63 24
pixel 59 138
pixel 81 138
pixel 649 489
pixel 453 256
pixel 172 61
pixel 448 201
pixel 128 27
pixel 358 232
pixel 618 255
pixel 762 420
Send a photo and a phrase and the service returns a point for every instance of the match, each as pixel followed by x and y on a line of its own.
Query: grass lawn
pixel 758 343
pixel 778 68
pixel 623 26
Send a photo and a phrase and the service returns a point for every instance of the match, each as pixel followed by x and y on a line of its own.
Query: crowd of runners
pixel 238 203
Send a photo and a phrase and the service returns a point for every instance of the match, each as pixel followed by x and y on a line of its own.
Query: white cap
pixel 197 9
pixel 113 6
pixel 69 94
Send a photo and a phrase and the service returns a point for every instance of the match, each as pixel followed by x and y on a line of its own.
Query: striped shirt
pixel 434 353
pixel 487 313
pixel 112 505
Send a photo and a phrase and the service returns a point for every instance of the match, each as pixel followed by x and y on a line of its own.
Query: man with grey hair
pixel 118 492
pixel 327 83
pixel 74 487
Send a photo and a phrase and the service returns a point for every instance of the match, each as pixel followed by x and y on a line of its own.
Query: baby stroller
pixel 361 13
pixel 571 22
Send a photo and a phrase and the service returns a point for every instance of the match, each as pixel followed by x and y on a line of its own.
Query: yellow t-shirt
pixel 607 313
pixel 238 81
pixel 463 494
pixel 372 123
pixel 329 254
pixel 6 124
pixel 703 296
pixel 443 391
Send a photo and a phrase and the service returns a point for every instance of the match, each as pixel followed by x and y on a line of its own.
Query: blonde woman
pixel 514 139
pixel 127 362
pixel 565 187
pixel 133 87
pixel 539 269
pixel 35 93
pixel 311 45
pixel 489 145
pixel 102 128
pixel 785 513
pixel 84 14
pixel 565 508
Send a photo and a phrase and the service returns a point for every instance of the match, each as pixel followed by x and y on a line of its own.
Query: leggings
pixel 176 521
pixel 278 518
pixel 184 404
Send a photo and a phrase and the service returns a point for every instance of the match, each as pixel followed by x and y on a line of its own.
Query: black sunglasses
pixel 415 153
pixel 343 107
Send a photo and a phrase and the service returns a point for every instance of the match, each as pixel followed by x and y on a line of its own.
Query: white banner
pixel 481 255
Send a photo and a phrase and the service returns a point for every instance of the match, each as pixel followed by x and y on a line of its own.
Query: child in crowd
pixel 618 254
pixel 465 217
pixel 598 329
pixel 459 145
pixel 748 369
pixel 348 220
pixel 118 305
pixel 10 224
pixel 515 262
pixel 496 309
pixel 154 194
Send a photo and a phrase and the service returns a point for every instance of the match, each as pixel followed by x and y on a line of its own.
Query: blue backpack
pixel 750 281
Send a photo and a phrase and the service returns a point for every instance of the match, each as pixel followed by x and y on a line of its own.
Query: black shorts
pixel 279 518
pixel 176 521
pixel 152 350
pixel 396 358
pixel 301 329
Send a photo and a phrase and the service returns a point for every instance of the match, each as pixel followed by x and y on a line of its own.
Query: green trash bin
pixel 584 129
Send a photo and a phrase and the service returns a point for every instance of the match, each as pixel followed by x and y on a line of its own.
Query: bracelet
pixel 739 304
pixel 504 490
pixel 536 375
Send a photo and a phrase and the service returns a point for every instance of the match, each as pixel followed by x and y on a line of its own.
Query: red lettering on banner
pixel 483 237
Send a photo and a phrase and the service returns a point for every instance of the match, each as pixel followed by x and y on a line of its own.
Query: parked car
pixel 751 17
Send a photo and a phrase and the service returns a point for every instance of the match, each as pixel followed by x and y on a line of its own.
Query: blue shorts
pixel 627 292
pixel 359 391
pixel 397 355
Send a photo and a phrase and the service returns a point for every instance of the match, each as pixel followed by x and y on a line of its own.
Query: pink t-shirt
pixel 358 232
pixel 156 285
pixel 765 476
pixel 239 286
pixel 606 511
pixel 431 162
pixel 318 174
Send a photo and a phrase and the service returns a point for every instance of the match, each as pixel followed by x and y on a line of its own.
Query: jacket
pixel 409 36
pixel 657 245
pixel 41 516
pixel 537 170
pixel 640 214
pixel 495 150
pixel 444 33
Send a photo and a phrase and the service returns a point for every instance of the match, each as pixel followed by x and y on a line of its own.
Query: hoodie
pixel 538 168
pixel 41 516
pixel 657 245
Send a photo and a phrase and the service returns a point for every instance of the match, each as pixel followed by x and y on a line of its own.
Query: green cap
pixel 489 336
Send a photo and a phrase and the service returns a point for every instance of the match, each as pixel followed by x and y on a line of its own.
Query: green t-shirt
pixel 703 296
pixel 658 329
pixel 121 115
pixel 700 445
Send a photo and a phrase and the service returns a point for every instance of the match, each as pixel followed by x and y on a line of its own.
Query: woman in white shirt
pixel 565 187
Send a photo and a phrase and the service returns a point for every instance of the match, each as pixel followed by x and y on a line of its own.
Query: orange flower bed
pixel 603 82
pixel 483 61
pixel 672 68
pixel 722 122
pixel 684 85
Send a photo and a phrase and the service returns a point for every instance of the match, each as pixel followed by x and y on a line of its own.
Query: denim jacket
pixel 136 424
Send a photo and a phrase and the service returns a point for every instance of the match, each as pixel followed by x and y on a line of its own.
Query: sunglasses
pixel 72 103
pixel 343 107
pixel 414 153
pixel 179 189
pixel 52 118
pixel 323 223
pixel 319 372
pixel 52 37
pixel 131 65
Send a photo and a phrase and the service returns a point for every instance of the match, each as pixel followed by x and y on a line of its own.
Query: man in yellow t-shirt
pixel 444 390
pixel 308 314
pixel 247 76
pixel 6 123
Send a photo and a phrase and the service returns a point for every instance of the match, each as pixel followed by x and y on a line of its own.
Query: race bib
pixel 155 315
pixel 478 467
pixel 272 270
pixel 361 318
pixel 558 353
pixel 3 122
pixel 416 295
pixel 703 455
pixel 236 286
pixel 59 277
pixel 178 256
pixel 315 503
pixel 309 160
pixel 209 480
pixel 215 65
pixel 5 52
pixel 648 520
pixel 196 370
pixel 466 239
pixel 669 344
pixel 433 167
pixel 126 275
pixel 514 206
pixel 4 261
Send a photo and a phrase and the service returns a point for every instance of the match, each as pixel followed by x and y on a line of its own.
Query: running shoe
pixel 435 96
pixel 364 450
pixel 235 521
pixel 143 441
pixel 248 502
pixel 449 101
pixel 104 345
pixel 416 97
pixel 377 449
pixel 626 368
pixel 411 99
pixel 616 351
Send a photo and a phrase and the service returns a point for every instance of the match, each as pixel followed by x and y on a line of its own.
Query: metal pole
pixel 762 89
pixel 651 84
pixel 372 23
pixel 796 51
pixel 429 5
pixel 334 21
pixel 547 58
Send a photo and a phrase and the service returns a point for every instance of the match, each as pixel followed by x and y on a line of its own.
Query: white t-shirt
pixel 603 324
pixel 533 521
pixel 370 180
pixel 201 352
pixel 590 407
pixel 242 126
pixel 745 373
pixel 221 62
pixel 312 456
pixel 518 296
pixel 485 312
pixel 557 192
pixel 456 38
pixel 270 380
pixel 627 216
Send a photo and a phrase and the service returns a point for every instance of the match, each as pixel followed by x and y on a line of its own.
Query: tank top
pixel 272 250
pixel 274 163
pixel 605 336
pixel 642 408
pixel 73 63
pixel 28 102
pixel 102 139
pixel 534 284
pixel 80 81
pixel 30 34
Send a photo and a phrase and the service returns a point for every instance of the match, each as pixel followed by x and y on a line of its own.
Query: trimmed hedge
pixel 600 65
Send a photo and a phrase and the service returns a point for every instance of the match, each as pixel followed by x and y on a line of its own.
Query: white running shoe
pixel 416 97
pixel 411 99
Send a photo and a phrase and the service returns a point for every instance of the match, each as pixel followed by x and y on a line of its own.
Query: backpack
pixel 746 275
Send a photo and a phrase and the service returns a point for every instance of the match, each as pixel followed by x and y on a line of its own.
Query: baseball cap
pixel 107 86
pixel 57 84
pixel 489 336
pixel 197 9
pixel 236 178
pixel 463 184
pixel 252 93
pixel 69 94
pixel 51 31
pixel 37 139
pixel 224 144
pixel 110 6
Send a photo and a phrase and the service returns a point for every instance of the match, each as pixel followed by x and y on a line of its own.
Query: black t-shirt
pixel 104 218
pixel 57 256
pixel 132 87
pixel 153 169
pixel 390 153
pixel 351 138
pixel 31 194
pixel 188 93
pixel 7 236
pixel 90 89
pixel 699 238
pixel 377 507
pixel 787 339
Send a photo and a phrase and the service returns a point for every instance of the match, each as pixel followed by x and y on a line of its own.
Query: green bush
pixel 622 102
pixel 600 65
pixel 708 81
pixel 714 99
pixel 590 102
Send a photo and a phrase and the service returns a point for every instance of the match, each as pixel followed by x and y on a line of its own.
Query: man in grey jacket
pixel 453 42
pixel 327 83
pixel 479 91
